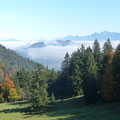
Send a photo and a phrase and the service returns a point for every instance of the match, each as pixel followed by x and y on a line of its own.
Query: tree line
pixel 92 72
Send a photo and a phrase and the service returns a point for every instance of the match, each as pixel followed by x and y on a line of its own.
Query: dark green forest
pixel 14 61
pixel 91 72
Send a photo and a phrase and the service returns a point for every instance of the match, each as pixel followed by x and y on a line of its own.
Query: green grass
pixel 67 109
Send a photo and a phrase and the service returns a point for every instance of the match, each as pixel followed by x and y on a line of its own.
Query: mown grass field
pixel 68 109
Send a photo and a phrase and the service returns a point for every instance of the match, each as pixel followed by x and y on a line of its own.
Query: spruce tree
pixel 39 89
pixel 63 79
pixel 75 81
pixel 52 77
pixel 23 79
pixel 82 49
pixel 107 48
pixel 116 69
pixel 65 63
pixel 98 55
pixel 89 78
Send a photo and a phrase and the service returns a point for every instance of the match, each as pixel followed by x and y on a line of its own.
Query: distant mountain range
pixel 9 40
pixel 99 36
pixel 50 52
pixel 68 40
pixel 51 43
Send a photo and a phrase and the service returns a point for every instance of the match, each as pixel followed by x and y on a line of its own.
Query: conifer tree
pixel 23 79
pixel 116 69
pixel 52 77
pixel 107 48
pixel 39 89
pixel 63 79
pixel 65 63
pixel 75 81
pixel 98 55
pixel 89 78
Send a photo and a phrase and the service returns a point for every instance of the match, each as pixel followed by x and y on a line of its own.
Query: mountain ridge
pixel 100 36
pixel 70 39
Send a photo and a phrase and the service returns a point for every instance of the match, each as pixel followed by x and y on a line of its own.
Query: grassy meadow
pixel 67 109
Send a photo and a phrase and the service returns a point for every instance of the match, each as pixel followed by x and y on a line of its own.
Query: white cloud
pixel 54 55
pixel 50 55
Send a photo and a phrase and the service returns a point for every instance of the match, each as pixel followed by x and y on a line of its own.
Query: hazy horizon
pixel 31 21
pixel 37 19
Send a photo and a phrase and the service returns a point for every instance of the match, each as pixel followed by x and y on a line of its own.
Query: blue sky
pixel 48 19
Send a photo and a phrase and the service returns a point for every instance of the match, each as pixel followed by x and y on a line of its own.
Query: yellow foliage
pixel 13 94
pixel 1 97
pixel 1 73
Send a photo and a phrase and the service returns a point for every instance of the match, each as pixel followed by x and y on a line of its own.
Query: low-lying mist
pixel 51 55
pixel 54 55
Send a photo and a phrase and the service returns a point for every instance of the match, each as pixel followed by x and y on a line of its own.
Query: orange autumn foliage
pixel 7 84
pixel 108 84
pixel 110 57
pixel 7 88
pixel 13 94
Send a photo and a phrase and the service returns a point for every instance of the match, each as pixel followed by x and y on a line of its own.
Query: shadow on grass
pixel 15 110
pixel 19 103
pixel 68 107
pixel 25 111
pixel 75 109
pixel 23 107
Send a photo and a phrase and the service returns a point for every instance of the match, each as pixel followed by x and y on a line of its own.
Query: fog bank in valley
pixel 54 55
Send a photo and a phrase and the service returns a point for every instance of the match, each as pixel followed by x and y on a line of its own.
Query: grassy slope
pixel 69 109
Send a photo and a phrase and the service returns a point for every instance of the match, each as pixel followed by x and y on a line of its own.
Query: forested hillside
pixel 14 62
pixel 87 76
pixel 92 72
